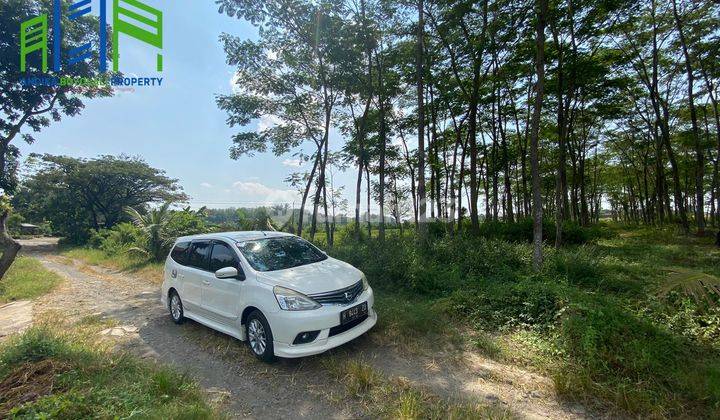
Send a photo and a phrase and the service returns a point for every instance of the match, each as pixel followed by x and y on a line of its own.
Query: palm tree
pixel 153 225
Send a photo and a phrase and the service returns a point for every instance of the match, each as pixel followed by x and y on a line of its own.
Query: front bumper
pixel 286 325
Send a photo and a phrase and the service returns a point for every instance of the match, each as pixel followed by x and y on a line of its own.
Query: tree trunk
pixel 10 245
pixel 369 215
pixel 419 73
pixel 306 192
pixel 534 140
pixel 699 158
pixel 383 141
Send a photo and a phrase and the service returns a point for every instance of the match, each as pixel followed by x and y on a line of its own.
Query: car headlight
pixel 290 300
pixel 366 285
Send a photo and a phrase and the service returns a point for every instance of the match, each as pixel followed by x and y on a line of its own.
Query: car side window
pixel 180 253
pixel 198 255
pixel 223 256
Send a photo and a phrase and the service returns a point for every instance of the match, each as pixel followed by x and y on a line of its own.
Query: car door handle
pixel 206 282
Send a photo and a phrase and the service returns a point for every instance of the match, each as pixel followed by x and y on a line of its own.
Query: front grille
pixel 341 296
pixel 339 329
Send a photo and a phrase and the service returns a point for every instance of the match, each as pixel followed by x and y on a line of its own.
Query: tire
pixel 259 337
pixel 178 316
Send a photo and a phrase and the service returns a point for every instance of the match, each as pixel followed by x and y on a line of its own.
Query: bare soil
pixel 246 388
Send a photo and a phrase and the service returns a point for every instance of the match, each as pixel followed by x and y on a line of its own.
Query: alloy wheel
pixel 256 335
pixel 175 307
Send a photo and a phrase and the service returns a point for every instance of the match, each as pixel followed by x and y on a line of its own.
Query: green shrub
pixel 633 363
pixel 496 305
pixel 522 231
pixel 345 234
pixel 118 239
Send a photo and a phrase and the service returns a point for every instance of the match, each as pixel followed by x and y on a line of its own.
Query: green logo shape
pixel 140 33
pixel 33 37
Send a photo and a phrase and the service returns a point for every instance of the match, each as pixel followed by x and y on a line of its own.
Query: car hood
pixel 319 277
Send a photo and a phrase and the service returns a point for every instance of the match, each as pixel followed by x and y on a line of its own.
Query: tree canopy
pixel 77 194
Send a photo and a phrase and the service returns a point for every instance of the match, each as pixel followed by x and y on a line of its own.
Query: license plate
pixel 356 312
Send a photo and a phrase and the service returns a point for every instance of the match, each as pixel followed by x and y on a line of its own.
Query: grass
pixel 122 261
pixel 27 279
pixel 594 319
pixel 46 373
pixel 397 398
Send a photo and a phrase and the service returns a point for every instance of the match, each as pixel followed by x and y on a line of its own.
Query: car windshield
pixel 270 254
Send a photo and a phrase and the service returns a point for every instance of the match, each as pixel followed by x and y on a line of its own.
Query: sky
pixel 177 127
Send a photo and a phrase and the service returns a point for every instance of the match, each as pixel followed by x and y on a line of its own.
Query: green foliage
pixel 153 226
pixel 637 365
pixel 253 219
pixel 187 222
pixel 597 323
pixel 27 279
pixel 345 234
pixel 28 109
pixel 522 231
pixel 118 239
pixel 73 380
pixel 77 195
pixel 151 234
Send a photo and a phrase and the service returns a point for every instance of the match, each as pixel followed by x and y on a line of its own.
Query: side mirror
pixel 227 273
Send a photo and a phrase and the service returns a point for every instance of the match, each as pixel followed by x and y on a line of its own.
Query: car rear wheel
pixel 259 337
pixel 176 308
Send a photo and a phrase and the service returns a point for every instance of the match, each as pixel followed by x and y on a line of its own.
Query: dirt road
pixel 290 388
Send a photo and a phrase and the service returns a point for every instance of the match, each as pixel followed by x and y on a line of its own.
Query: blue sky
pixel 177 127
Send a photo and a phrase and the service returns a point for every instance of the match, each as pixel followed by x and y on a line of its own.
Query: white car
pixel 276 291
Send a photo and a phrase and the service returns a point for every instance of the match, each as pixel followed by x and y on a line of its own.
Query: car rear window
pixel 198 255
pixel 179 252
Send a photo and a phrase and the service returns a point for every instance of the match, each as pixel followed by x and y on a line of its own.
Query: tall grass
pixel 46 374
pixel 599 329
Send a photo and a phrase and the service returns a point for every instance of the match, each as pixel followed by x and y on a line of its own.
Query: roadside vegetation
pixel 615 318
pixel 609 320
pixel 52 373
pixel 27 279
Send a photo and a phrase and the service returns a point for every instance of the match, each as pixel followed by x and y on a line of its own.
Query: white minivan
pixel 276 291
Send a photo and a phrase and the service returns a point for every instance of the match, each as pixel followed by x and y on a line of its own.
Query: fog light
pixel 306 337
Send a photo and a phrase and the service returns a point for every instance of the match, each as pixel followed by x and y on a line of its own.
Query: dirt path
pixel 15 317
pixel 292 387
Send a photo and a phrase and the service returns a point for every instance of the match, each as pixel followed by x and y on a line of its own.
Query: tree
pixel 700 160
pixel 81 194
pixel 542 10
pixel 153 225
pixel 419 62
pixel 28 109
pixel 289 75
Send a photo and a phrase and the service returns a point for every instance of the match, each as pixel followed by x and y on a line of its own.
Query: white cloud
pixel 267 121
pixel 234 87
pixel 294 163
pixel 255 192
pixel 206 185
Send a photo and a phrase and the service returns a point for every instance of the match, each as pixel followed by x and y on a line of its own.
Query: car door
pixel 195 275
pixel 222 296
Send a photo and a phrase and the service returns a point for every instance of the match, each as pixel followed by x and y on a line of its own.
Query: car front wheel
pixel 259 337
